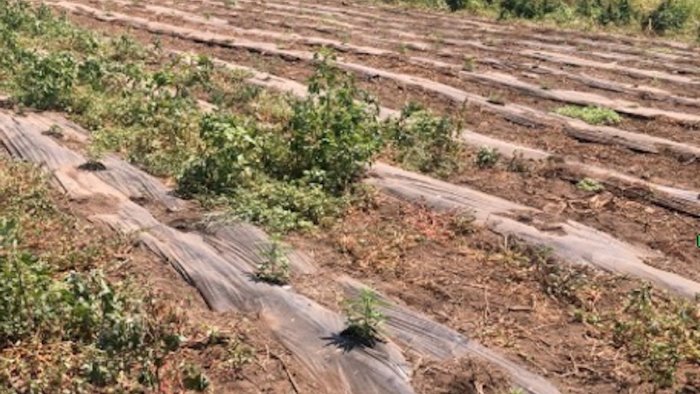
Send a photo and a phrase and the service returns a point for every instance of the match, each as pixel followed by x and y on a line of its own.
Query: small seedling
pixel 195 379
pixel 364 320
pixel 487 157
pixel 495 98
pixel 589 185
pixel 274 268
pixel 54 131
pixel 469 63
pixel 517 163
pixel 463 223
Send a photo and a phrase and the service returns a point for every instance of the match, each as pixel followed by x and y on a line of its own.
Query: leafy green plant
pixel 275 265
pixel 46 82
pixel 590 115
pixel 487 157
pixel 334 132
pixel 293 177
pixel 496 98
pixel 25 282
pixel 194 378
pixel 364 320
pixel 668 15
pixel 557 280
pixel 463 223
pixel 424 142
pixel 529 9
pixel 589 185
pixel 469 63
pixel 83 308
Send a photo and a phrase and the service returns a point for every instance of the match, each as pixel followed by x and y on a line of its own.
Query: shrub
pixel 529 9
pixel 424 142
pixel 333 132
pixel 604 12
pixel 618 12
pixel 295 176
pixel 194 379
pixel 590 115
pixel 47 82
pixel 669 15
pixel 456 5
pixel 487 157
pixel 232 155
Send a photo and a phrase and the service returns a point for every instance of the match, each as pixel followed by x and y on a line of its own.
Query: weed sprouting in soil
pixel 496 98
pixel 424 142
pixel 656 331
pixel 364 320
pixel 462 223
pixel 669 15
pixel 590 185
pixel 659 333
pixel 55 131
pixel 194 379
pixel 591 115
pixel 274 267
pixel 469 63
pixel 518 163
pixel 487 157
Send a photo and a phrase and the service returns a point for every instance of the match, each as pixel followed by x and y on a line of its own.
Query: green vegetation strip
pixel 591 115
pixel 656 16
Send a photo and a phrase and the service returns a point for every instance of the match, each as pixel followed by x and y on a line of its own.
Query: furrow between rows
pixel 387 15
pixel 513 112
pixel 574 97
pixel 447 36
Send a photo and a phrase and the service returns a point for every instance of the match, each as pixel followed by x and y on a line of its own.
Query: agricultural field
pixel 349 197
